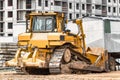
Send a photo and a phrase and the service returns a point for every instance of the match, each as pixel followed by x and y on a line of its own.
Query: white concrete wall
pixel 112 40
pixel 83 1
pixel 97 1
pixel 115 28
pixel 6 39
pixel 18 28
pixel 94 32
pixel 96 37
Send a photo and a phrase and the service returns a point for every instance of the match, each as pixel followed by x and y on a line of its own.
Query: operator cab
pixel 43 24
pixel 51 22
pixel 46 22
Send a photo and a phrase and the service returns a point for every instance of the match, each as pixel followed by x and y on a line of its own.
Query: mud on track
pixel 93 76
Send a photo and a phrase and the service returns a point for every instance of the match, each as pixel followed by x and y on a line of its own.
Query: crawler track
pixel 75 63
pixel 57 64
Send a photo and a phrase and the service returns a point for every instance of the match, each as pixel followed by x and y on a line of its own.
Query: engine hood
pixel 41 40
pixel 24 36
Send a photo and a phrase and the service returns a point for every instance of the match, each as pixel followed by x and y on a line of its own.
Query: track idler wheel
pixel 65 61
pixel 67 55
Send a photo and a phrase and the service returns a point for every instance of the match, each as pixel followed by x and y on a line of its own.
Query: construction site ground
pixel 12 75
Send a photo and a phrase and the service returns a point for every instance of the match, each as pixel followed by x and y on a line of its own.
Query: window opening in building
pixel 70 5
pixel 83 6
pixel 83 15
pixel 28 4
pixel 10 25
pixel 119 10
pixel 46 3
pixel 10 14
pixel 10 34
pixel 1 5
pixel 39 2
pixel 109 9
pixel 114 9
pixel 114 1
pixel 1 16
pixel 70 16
pixel 77 5
pixel 77 15
pixel 10 2
pixel 1 34
pixel 109 0
pixel 51 3
pixel 1 27
pixel 98 7
pixel 57 3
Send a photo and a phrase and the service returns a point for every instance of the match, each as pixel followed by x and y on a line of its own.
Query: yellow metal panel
pixel 53 37
pixel 24 36
pixel 54 43
pixel 39 43
pixel 69 38
pixel 45 50
pixel 22 43
pixel 94 53
pixel 92 57
pixel 41 55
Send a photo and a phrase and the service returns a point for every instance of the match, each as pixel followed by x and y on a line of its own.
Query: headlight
pixel 22 54
pixel 25 54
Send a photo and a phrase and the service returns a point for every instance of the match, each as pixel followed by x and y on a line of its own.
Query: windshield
pixel 41 23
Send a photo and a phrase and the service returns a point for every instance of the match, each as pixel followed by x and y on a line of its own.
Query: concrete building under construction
pixel 12 12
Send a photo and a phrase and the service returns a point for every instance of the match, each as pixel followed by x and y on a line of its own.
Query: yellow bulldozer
pixel 49 46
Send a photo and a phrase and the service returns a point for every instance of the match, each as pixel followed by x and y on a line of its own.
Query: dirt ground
pixel 94 76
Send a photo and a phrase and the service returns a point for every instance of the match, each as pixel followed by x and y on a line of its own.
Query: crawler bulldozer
pixel 49 46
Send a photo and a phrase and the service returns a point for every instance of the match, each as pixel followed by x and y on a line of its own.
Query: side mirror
pixel 27 30
pixel 68 31
pixel 27 16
